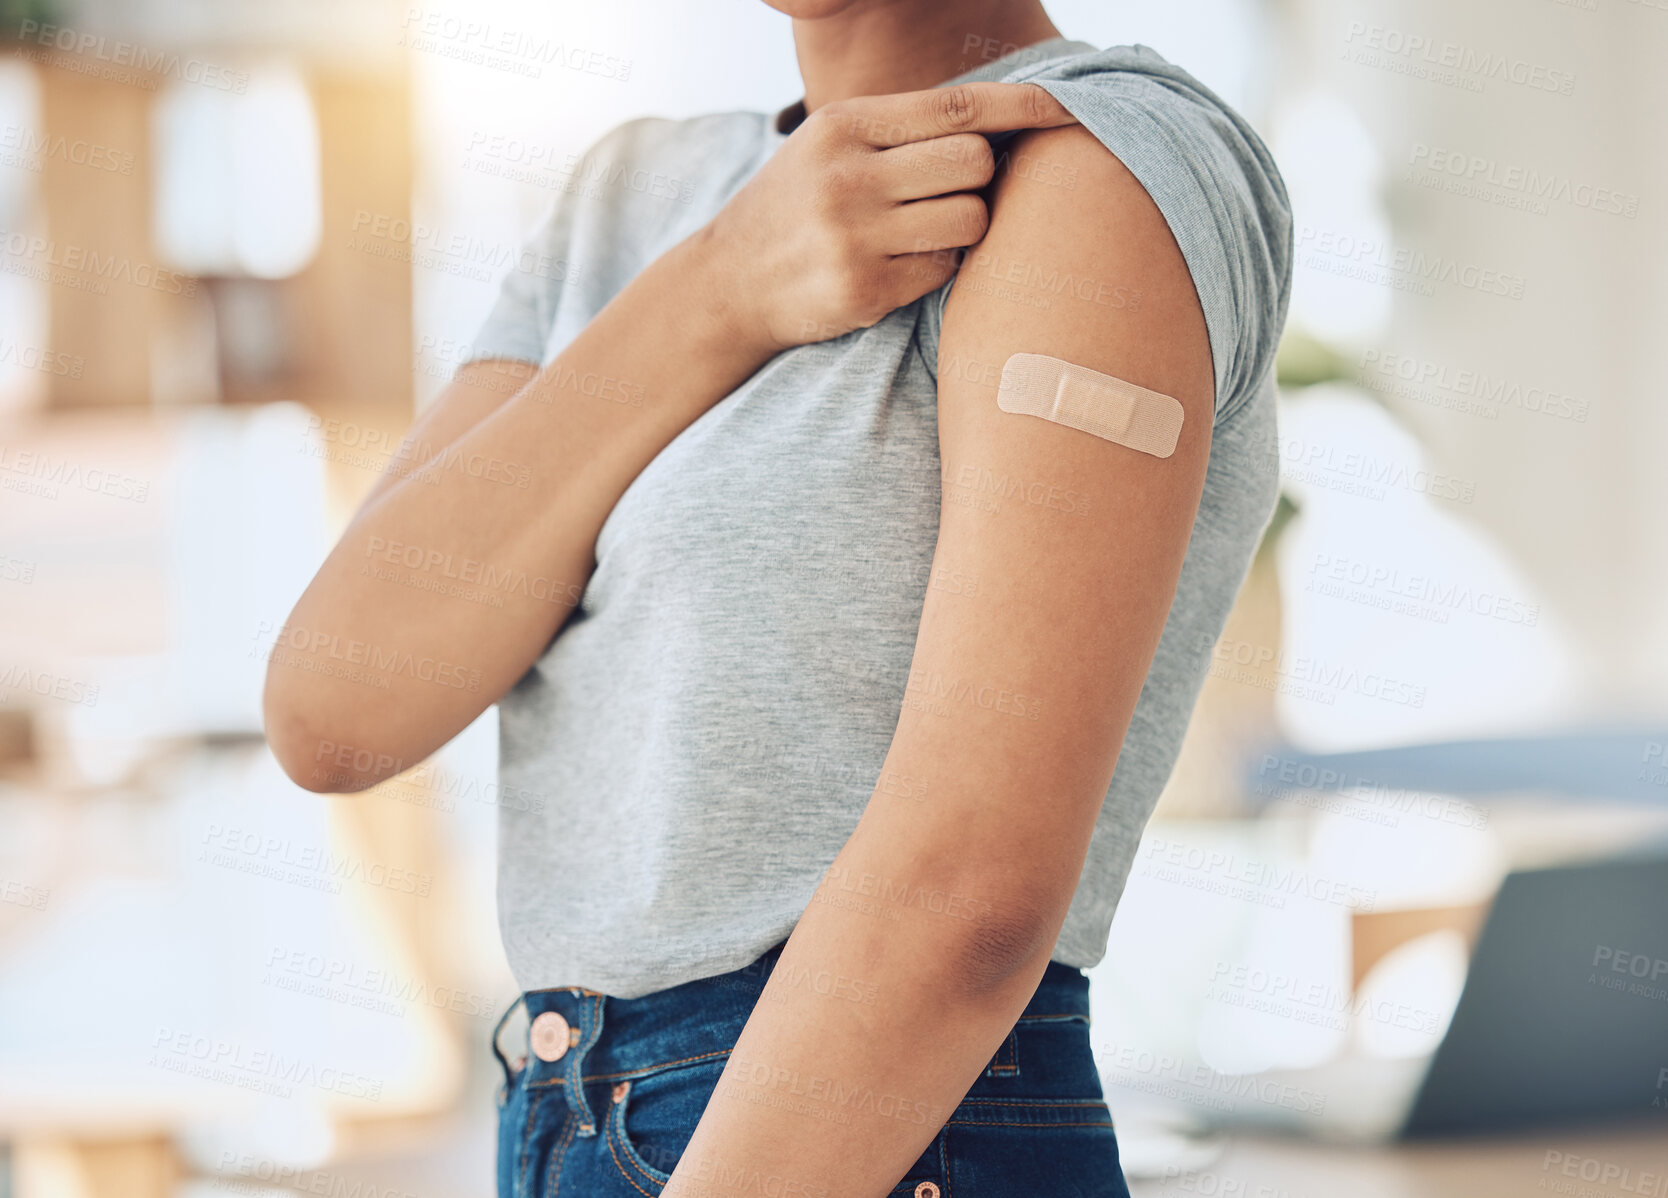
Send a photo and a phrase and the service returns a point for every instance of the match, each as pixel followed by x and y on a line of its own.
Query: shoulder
pixel 1079 260
pixel 656 136
pixel 1148 110
pixel 1204 170
pixel 1140 83
pixel 667 159
pixel 616 205
pixel 639 187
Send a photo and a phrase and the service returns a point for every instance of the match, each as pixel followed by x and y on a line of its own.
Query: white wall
pixel 1579 507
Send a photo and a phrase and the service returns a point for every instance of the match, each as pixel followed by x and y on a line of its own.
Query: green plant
pixel 14 14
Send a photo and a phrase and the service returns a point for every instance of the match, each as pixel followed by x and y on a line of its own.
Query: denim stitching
pixel 1010 1048
pixel 618 1122
pixel 1044 1102
pixel 632 1074
pixel 558 1159
pixel 561 990
pixel 577 1095
pixel 645 1070
pixel 974 1123
pixel 616 1128
pixel 526 1143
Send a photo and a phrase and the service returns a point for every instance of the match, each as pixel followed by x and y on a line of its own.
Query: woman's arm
pixel 400 640
pixel 476 391
pixel 1017 701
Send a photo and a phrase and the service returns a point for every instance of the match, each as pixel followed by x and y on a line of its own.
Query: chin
pixel 812 10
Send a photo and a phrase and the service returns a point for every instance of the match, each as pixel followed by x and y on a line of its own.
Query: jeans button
pixel 549 1036
pixel 926 1190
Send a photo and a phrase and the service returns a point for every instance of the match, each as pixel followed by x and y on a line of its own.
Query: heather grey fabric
pixel 697 744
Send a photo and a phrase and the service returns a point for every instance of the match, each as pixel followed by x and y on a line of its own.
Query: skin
pixel 871 47
pixel 1067 612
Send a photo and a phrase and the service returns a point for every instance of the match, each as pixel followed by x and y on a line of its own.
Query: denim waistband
pixel 611 1039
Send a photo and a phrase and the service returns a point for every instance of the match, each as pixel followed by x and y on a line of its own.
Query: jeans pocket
pixel 651 1119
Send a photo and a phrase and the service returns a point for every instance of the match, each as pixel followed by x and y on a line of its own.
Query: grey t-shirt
pixel 693 749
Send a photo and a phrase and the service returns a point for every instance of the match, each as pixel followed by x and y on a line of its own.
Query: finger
pixel 961 162
pixel 886 121
pixel 910 276
pixel 942 223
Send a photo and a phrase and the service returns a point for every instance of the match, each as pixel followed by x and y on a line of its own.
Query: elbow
pixel 1010 938
pixel 302 754
pixel 320 760
pixel 288 744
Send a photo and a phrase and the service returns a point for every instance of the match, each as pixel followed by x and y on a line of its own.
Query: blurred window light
pixel 1334 175
pixel 1401 621
pixel 1438 852
pixel 1218 42
pixel 1284 1003
pixel 25 359
pixel 20 140
pixel 237 177
pixel 1408 999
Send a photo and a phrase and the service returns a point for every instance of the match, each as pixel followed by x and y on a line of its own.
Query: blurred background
pixel 242 243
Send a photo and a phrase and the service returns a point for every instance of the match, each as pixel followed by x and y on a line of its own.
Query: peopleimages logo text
pixel 116 52
pixel 1430 52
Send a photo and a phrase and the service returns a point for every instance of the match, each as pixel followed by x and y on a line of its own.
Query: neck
pixel 877 47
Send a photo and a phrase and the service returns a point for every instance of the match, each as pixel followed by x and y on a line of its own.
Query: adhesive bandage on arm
pixel 1080 398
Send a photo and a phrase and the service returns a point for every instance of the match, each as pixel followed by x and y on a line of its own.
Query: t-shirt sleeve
pixel 1215 184
pixel 519 324
pixel 619 204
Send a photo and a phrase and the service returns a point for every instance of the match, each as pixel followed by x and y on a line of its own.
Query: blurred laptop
pixel 1563 1019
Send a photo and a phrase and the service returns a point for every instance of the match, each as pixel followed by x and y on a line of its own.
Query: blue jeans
pixel 611 1114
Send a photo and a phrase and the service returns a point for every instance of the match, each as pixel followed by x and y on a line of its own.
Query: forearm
pixel 476 391
pixel 448 584
pixel 881 1012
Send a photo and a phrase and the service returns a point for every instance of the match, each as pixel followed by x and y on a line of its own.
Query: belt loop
pixel 590 1028
pixel 1006 1061
pixel 509 1074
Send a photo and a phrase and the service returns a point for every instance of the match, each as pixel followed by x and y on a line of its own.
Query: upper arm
pixel 1020 692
